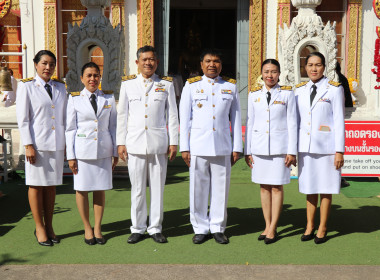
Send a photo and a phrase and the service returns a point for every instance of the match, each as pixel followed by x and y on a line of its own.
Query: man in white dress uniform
pixel 209 104
pixel 147 131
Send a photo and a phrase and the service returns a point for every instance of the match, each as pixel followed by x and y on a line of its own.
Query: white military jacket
pixel 146 107
pixel 207 108
pixel 271 129
pixel 90 136
pixel 41 120
pixel 321 125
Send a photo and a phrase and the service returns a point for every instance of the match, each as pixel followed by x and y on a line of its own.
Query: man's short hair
pixel 145 49
pixel 213 52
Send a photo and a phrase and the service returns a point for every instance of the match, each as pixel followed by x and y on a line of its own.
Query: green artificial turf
pixel 354 227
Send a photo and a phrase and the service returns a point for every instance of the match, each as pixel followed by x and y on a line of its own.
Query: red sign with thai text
pixel 362 149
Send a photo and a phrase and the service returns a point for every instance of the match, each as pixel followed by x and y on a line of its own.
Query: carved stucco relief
pixel 145 22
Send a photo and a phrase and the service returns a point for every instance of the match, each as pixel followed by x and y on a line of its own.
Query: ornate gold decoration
pixel 5 8
pixel 256 39
pixel 145 22
pixel 117 11
pixel 283 16
pixel 353 39
pixel 51 35
pixel 15 5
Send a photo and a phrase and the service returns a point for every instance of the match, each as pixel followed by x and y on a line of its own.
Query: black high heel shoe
pixel 43 243
pixel 261 237
pixel 91 241
pixel 271 240
pixel 308 237
pixel 321 240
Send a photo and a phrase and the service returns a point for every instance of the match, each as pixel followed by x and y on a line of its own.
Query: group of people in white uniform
pixel 144 132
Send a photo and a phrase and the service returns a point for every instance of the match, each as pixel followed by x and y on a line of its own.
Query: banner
pixel 362 152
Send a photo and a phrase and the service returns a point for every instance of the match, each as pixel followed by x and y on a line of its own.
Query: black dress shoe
pixel 90 241
pixel 200 238
pixel 321 240
pixel 271 240
pixel 100 240
pixel 261 237
pixel 135 237
pixel 55 240
pixel 43 243
pixel 220 238
pixel 308 237
pixel 159 238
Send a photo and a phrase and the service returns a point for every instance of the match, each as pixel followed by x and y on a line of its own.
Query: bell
pixel 5 79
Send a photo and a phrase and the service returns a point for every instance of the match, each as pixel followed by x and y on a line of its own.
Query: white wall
pixel 32 31
pixel 271 22
pixel 367 94
pixel 130 36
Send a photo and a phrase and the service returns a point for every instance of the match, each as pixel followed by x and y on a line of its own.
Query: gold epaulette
pixel 230 80
pixel 194 79
pixel 57 80
pixel 301 84
pixel 167 78
pixel 256 88
pixel 335 84
pixel 130 77
pixel 107 91
pixel 75 93
pixel 286 87
pixel 27 80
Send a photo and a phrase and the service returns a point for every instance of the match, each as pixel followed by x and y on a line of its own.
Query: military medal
pixel 160 85
pixel 159 90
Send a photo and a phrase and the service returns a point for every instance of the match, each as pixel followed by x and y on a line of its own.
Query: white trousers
pixel 143 170
pixel 209 181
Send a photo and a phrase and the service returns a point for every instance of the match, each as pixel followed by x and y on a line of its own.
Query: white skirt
pixel 270 170
pixel 47 171
pixel 94 175
pixel 317 174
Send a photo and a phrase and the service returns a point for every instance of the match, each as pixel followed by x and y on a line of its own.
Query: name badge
pixel 107 106
pixel 324 128
pixel 81 135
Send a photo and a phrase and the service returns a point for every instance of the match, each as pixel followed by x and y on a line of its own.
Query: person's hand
pixel 115 161
pixel 234 157
pixel 122 151
pixel 172 152
pixel 73 165
pixel 186 157
pixel 30 154
pixel 290 159
pixel 339 160
pixel 249 161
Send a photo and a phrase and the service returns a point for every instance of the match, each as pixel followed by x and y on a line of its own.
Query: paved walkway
pixel 169 272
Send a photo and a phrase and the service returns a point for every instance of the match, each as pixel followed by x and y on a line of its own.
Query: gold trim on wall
pixel 256 40
pixel 145 23
pixel 117 11
pixel 353 38
pixel 283 16
pixel 50 12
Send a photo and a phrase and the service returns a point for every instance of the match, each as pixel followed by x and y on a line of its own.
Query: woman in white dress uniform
pixel 271 143
pixel 41 116
pixel 91 144
pixel 320 108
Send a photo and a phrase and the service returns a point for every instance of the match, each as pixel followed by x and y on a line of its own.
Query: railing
pixel 24 59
